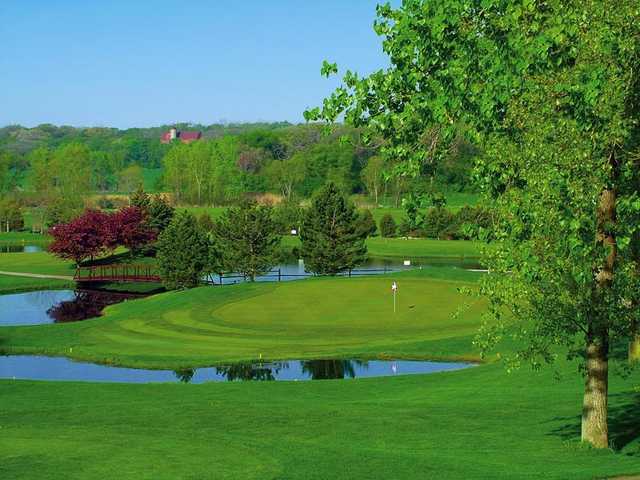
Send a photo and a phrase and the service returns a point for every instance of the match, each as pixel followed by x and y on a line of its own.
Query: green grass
pixel 219 324
pixel 478 423
pixel 11 284
pixel 37 262
pixel 26 238
pixel 214 212
pixel 410 248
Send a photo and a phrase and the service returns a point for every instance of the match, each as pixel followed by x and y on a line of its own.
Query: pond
pixel 56 306
pixel 60 368
pixel 294 269
pixel 19 248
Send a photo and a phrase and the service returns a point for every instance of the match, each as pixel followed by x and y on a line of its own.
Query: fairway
pixel 317 318
pixel 416 426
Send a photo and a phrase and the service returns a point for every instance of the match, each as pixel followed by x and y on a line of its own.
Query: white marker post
pixel 394 289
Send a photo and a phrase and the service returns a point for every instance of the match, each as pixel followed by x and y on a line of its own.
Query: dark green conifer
pixel 331 239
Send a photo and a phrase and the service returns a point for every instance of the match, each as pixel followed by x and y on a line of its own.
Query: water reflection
pixel 13 248
pixel 86 304
pixel 331 369
pixel 56 306
pixel 184 375
pixel 60 368
pixel 291 268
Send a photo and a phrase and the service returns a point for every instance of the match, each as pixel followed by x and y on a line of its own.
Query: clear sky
pixel 126 63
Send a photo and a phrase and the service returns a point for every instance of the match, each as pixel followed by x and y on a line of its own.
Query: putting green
pixel 328 317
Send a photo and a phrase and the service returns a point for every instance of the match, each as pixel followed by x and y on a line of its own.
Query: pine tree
pixel 183 253
pixel 331 239
pixel 140 199
pixel 387 226
pixel 159 214
pixel 366 223
pixel 248 237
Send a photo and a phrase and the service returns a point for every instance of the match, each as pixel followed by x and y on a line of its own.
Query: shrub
pixel 439 223
pixel 366 223
pixel 387 226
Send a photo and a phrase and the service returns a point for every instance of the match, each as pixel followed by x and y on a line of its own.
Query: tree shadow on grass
pixel 624 422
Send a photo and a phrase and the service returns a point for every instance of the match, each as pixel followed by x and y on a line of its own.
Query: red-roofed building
pixel 184 137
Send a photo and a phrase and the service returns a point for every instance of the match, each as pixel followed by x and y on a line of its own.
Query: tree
pixel 70 170
pixel 11 215
pixel 130 178
pixel 387 226
pixel 183 252
pixel 373 176
pixel 286 175
pixel 61 209
pixel 130 229
pixel 159 214
pixel 205 222
pixel 82 238
pixel 550 92
pixel 331 239
pixel 366 223
pixel 140 199
pixel 249 239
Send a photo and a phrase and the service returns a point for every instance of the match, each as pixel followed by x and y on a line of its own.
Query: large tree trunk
pixel 594 406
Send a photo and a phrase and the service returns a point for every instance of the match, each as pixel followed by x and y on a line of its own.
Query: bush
pixel 388 226
pixel 404 229
pixel 366 223
pixel 439 223
pixel 474 223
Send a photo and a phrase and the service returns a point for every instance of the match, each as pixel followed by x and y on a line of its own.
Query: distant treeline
pixel 229 162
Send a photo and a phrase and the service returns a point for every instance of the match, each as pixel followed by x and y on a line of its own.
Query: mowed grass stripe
pixel 321 317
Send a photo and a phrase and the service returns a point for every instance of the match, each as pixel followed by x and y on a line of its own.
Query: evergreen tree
pixel 159 213
pixel 331 239
pixel 183 252
pixel 205 222
pixel 140 199
pixel 248 237
pixel 387 226
pixel 366 223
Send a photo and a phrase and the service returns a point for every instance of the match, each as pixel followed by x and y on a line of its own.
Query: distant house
pixel 184 137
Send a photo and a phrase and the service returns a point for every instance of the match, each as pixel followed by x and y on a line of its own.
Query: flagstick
pixel 394 301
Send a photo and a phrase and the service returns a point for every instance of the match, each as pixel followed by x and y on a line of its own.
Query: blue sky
pixel 142 63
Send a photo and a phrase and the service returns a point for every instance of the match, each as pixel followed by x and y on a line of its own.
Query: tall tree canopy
pixel 551 92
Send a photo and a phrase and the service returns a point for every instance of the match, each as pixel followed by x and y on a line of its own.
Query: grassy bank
pixel 410 248
pixel 23 238
pixel 274 320
pixel 11 284
pixel 477 423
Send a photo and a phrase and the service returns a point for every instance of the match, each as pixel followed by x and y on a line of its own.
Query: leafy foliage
pixel 387 226
pixel 550 90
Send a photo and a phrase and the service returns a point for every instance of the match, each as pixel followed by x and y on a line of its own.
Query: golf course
pixel 480 422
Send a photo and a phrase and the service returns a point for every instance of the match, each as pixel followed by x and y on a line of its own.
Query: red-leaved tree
pixel 129 228
pixel 82 238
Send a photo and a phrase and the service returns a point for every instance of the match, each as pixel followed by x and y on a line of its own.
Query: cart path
pixel 37 275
